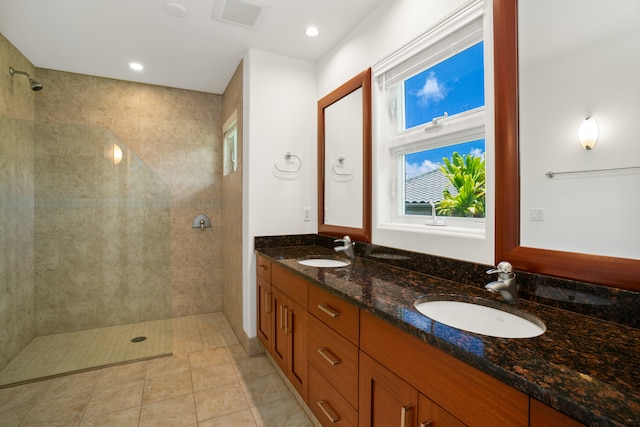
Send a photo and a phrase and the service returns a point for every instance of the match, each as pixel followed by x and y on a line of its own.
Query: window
pixel 230 147
pixel 431 119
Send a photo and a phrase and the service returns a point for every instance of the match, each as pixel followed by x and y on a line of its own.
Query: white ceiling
pixel 196 52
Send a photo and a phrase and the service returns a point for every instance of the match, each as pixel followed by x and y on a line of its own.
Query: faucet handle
pixel 503 267
pixel 346 240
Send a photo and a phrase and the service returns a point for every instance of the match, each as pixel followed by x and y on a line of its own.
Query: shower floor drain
pixel 138 339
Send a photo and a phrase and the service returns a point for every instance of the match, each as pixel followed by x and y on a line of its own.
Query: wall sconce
pixel 588 133
pixel 113 152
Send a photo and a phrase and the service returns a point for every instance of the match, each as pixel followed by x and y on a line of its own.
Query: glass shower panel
pixel 102 282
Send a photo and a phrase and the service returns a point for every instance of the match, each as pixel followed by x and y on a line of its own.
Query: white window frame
pixel 459 31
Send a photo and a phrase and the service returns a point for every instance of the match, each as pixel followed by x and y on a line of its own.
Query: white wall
pixel 593 213
pixel 280 116
pixel 391 26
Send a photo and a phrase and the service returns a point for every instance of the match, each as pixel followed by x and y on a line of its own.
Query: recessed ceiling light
pixel 312 32
pixel 175 9
pixel 136 66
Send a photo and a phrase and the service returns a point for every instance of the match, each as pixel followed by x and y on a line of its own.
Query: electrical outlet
pixel 536 214
pixel 307 214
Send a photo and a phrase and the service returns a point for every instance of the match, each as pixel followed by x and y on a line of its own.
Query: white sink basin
pixel 323 262
pixel 481 319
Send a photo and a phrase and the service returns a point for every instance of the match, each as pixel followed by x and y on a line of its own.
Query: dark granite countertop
pixel 586 368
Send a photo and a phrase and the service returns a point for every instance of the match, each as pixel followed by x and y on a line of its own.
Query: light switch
pixel 307 214
pixel 536 214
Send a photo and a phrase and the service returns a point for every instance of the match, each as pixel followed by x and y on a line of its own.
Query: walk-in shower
pixel 86 249
pixel 35 86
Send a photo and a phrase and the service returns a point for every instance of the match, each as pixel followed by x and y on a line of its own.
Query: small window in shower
pixel 230 151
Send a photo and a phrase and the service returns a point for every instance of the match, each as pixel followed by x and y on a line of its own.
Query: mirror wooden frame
pixel 362 80
pixel 621 273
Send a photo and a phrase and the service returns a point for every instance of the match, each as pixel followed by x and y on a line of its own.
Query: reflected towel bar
pixel 551 174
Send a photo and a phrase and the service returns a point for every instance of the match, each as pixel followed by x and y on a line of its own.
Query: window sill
pixel 478 232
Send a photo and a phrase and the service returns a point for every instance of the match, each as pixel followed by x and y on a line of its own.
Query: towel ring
pixel 288 157
pixel 340 160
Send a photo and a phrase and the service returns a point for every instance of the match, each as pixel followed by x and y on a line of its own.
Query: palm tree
pixel 467 174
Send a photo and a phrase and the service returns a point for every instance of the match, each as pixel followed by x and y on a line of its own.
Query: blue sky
pixel 426 161
pixel 453 85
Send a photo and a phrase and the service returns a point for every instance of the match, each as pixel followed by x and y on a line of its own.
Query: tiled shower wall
pixel 175 135
pixel 99 261
pixel 17 287
pixel 232 216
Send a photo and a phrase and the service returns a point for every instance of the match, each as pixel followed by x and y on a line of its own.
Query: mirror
pixel 344 160
pixel 617 271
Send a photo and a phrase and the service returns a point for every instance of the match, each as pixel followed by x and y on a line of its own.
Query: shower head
pixel 35 86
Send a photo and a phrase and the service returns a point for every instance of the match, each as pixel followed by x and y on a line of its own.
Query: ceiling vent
pixel 244 13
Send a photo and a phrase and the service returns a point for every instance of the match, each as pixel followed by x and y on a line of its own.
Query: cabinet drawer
pixel 335 358
pixel 291 284
pixel 263 267
pixel 329 407
pixel 340 315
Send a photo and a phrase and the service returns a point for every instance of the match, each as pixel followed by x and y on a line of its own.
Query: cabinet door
pixel 385 399
pixel 279 337
pixel 265 312
pixel 297 352
pixel 432 415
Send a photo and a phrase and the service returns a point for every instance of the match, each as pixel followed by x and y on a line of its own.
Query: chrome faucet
pixel 347 246
pixel 506 283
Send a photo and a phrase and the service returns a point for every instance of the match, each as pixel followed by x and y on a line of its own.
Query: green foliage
pixel 467 174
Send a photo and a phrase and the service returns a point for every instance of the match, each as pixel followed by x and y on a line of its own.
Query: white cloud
pixel 477 152
pixel 415 169
pixel 432 90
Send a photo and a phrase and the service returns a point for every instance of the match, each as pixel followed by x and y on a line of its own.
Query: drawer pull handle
pixel 263 267
pixel 283 317
pixel 267 302
pixel 425 424
pixel 325 308
pixel 328 356
pixel 406 416
pixel 288 325
pixel 328 411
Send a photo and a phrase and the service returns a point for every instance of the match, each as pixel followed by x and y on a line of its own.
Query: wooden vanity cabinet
pixel 334 326
pixel 385 399
pixel 289 294
pixel 264 301
pixel 353 368
pixel 466 393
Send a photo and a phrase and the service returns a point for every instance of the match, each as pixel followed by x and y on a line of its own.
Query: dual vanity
pixel 377 341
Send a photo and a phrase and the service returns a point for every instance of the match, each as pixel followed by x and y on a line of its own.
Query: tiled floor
pixel 209 381
pixel 52 355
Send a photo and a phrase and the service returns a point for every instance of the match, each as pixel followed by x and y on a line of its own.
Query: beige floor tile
pixel 176 412
pixel 219 401
pixel 209 357
pixel 167 386
pixel 167 365
pixel 264 389
pixel 84 382
pixel 121 374
pixel 115 398
pixel 253 367
pixel 281 413
pixel 205 377
pixel 124 418
pixel 15 402
pixel 237 419
pixel 62 411
pixel 20 395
